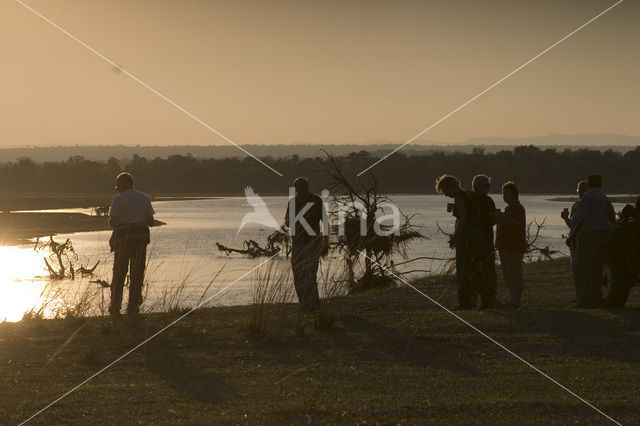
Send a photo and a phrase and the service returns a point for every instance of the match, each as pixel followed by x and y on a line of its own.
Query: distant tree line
pixel 535 170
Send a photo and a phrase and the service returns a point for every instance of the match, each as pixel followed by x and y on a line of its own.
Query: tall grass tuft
pixel 271 291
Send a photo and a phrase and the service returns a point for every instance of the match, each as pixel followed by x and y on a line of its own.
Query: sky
pixel 282 72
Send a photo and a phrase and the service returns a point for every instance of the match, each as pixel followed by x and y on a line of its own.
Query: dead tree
pixel 59 253
pixel 358 207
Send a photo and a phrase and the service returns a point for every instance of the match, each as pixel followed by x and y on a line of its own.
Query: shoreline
pixel 21 228
pixel 26 217
pixel 57 201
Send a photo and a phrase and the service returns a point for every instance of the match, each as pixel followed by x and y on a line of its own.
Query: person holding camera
pixel 466 239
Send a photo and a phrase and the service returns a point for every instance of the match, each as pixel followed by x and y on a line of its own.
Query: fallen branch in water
pixel 251 248
pixel 276 242
pixel 86 271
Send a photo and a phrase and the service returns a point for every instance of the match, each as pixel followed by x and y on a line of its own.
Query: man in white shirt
pixel 130 215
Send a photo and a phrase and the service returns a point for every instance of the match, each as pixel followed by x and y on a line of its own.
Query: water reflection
pixel 21 286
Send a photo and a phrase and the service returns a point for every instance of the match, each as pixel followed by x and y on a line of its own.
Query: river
pixel 183 255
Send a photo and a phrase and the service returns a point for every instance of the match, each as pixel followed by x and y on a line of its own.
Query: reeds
pixel 271 291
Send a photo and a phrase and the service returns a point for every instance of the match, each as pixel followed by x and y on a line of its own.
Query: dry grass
pixel 271 290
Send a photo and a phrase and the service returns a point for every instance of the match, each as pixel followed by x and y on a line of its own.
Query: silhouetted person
pixel 466 239
pixel 130 215
pixel 511 241
pixel 592 219
pixel 305 212
pixel 569 219
pixel 486 218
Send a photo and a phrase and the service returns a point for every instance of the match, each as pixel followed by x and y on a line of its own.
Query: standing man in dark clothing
pixel 569 218
pixel 592 220
pixel 130 215
pixel 486 218
pixel 511 241
pixel 305 212
pixel 466 239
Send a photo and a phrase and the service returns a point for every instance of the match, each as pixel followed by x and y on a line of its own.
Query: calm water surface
pixel 184 254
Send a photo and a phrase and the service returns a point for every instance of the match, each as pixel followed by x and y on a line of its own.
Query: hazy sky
pixel 318 72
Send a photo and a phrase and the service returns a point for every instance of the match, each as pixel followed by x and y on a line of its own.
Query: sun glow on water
pixel 21 287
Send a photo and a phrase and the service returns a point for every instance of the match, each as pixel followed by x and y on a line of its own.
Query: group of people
pixel 473 240
pixel 131 215
pixel 588 220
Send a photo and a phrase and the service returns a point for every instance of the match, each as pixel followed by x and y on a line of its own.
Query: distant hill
pixel 619 143
pixel 602 141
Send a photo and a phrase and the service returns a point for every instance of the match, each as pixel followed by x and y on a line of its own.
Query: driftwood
pixel 276 242
pixel 85 272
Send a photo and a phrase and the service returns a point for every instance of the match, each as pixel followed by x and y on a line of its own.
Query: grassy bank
pixel 391 357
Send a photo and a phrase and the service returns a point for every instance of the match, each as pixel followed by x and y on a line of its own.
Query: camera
pixel 450 207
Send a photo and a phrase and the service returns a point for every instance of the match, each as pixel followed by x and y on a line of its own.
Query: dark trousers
pixel 131 256
pixel 469 267
pixel 487 284
pixel 305 258
pixel 512 270
pixel 588 277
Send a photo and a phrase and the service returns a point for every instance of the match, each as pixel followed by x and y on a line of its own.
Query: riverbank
pixel 19 228
pixel 19 221
pixel 54 201
pixel 390 357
